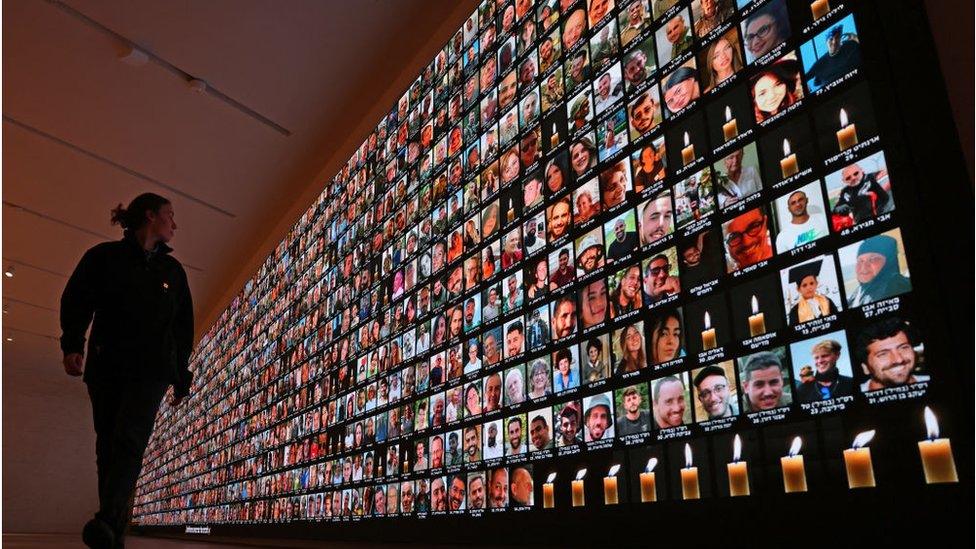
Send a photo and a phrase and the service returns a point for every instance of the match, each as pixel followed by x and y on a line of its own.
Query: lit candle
pixel 689 477
pixel 648 482
pixel 708 334
pixel 860 470
pixel 738 471
pixel 757 324
pixel 610 486
pixel 731 128
pixel 847 134
pixel 788 164
pixel 578 497
pixel 554 138
pixel 548 492
pixel 937 460
pixel 794 473
pixel 688 153
pixel 819 8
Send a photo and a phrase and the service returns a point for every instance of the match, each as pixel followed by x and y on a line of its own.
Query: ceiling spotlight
pixel 8 337
pixel 9 271
pixel 134 56
pixel 198 86
pixel 6 308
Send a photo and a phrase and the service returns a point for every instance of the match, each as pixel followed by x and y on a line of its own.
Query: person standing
pixel 136 298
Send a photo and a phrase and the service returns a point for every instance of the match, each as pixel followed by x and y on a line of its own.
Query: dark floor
pixel 65 541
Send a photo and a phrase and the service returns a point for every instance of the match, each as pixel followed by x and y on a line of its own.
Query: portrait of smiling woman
pixel 776 87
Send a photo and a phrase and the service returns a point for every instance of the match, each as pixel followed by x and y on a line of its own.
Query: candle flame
pixel 688 461
pixel 795 447
pixel 687 140
pixel 614 470
pixel 728 114
pixel 931 423
pixel 862 439
pixel 736 448
pixel 843 118
pixel 651 464
pixel 551 477
pixel 580 474
pixel 786 148
pixel 708 321
pixel 755 305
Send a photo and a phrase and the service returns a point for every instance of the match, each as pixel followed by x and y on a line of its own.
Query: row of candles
pixel 937 463
pixel 846 138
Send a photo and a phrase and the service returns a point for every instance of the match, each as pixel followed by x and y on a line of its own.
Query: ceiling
pixel 291 90
pixel 290 93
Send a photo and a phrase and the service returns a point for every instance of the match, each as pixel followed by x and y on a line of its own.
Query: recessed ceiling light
pixel 9 271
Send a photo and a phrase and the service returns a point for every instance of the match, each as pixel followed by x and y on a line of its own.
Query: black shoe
pixel 98 535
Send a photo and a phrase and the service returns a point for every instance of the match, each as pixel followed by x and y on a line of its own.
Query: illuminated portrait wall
pixel 647 228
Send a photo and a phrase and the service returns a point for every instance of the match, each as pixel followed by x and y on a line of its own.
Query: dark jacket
pixel 143 314
pixel 810 392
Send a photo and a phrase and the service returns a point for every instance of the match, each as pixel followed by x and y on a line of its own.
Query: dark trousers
pixel 124 412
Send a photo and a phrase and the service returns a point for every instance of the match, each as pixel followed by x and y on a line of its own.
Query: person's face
pixel 825 360
pixel 568 427
pixel 632 403
pixel 541 272
pixel 473 353
pixel 579 157
pixel 513 341
pixel 675 29
pixel 708 8
pixel 656 219
pixel 539 432
pixel 890 361
pixel 161 223
pixel 635 70
pixel 630 283
pixel 563 366
pixel 539 380
pixel 642 115
pixel 515 434
pixel 597 421
pixel 469 311
pixel 477 493
pixel 713 393
pixel 619 230
pixel 491 346
pixel 508 18
pixel 668 339
pixel 438 495
pixel 733 162
pixel 506 91
pixel 546 50
pixel 603 86
pixel 633 340
pixel 499 488
pixel 670 406
pixel 765 388
pixel 595 303
pixel 748 237
pixel 565 318
pixel 852 175
pixel 471 442
pixel 574 29
pixel 635 13
pixel 559 222
pixel 808 287
pixel 868 265
pixel 722 56
pixel 457 493
pixel 493 391
pixel 678 96
pixel 762 34
pixel 658 272
pixel 512 285
pixel 554 178
pixel 473 403
pixel 492 296
pixel 594 354
pixel 769 93
pixel 598 9
pixel 797 204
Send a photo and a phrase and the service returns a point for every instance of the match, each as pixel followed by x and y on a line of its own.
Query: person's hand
pixel 74 364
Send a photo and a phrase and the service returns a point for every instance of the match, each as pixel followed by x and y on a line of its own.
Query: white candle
pixel 579 498
pixel 610 496
pixel 648 482
pixel 857 459
pixel 738 471
pixel 689 477
pixel 937 461
pixel 794 472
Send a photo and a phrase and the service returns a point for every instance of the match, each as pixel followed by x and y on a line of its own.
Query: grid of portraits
pixel 586 225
